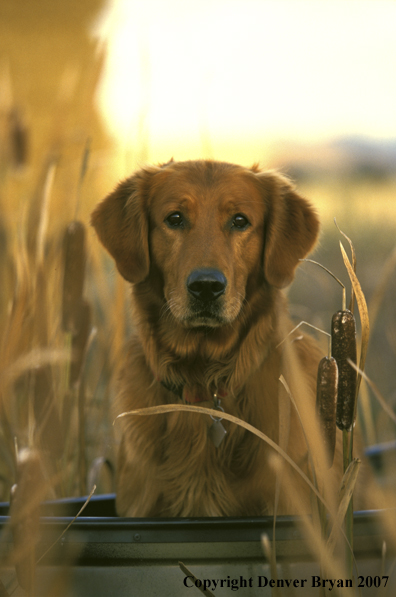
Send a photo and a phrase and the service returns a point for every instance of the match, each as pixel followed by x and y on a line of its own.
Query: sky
pixel 211 78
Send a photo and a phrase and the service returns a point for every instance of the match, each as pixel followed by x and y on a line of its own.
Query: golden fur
pixel 161 225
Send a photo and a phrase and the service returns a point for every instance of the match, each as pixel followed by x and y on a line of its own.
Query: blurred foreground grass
pixel 44 403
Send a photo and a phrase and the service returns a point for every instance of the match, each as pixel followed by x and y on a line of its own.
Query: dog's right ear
pixel 121 223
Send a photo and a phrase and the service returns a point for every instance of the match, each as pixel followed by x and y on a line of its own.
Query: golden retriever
pixel 208 246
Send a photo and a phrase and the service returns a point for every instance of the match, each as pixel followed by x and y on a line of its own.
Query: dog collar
pixel 194 394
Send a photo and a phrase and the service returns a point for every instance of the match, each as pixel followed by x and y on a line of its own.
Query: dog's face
pixel 207 239
pixel 207 235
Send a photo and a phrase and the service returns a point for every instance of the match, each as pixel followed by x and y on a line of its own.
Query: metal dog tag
pixel 217 432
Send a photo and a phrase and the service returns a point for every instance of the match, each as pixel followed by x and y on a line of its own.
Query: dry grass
pixel 57 347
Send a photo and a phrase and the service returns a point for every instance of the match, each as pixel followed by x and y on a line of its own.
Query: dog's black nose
pixel 206 284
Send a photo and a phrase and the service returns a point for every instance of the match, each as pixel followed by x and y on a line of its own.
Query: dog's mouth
pixel 206 318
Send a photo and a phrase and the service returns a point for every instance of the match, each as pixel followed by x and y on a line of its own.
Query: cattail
pixel 73 279
pixel 18 139
pixel 343 341
pixel 79 341
pixel 326 403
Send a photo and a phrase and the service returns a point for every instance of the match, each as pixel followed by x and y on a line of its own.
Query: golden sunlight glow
pixel 224 78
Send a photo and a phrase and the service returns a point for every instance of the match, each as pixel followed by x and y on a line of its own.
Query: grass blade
pixel 346 491
pixel 363 312
pixel 187 572
pixel 352 302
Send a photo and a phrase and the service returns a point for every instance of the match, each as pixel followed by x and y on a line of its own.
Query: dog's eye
pixel 240 222
pixel 175 220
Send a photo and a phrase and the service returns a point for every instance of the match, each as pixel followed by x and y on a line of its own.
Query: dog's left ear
pixel 291 229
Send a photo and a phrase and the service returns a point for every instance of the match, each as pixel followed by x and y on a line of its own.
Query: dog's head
pixel 206 235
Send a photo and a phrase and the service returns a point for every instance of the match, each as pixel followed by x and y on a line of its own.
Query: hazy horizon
pixel 230 78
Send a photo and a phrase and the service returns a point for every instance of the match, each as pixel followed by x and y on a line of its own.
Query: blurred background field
pixel 89 91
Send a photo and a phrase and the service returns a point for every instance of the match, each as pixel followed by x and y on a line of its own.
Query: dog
pixel 208 247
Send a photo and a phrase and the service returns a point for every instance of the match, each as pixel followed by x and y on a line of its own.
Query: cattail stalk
pixel 343 347
pixel 74 257
pixel 326 404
